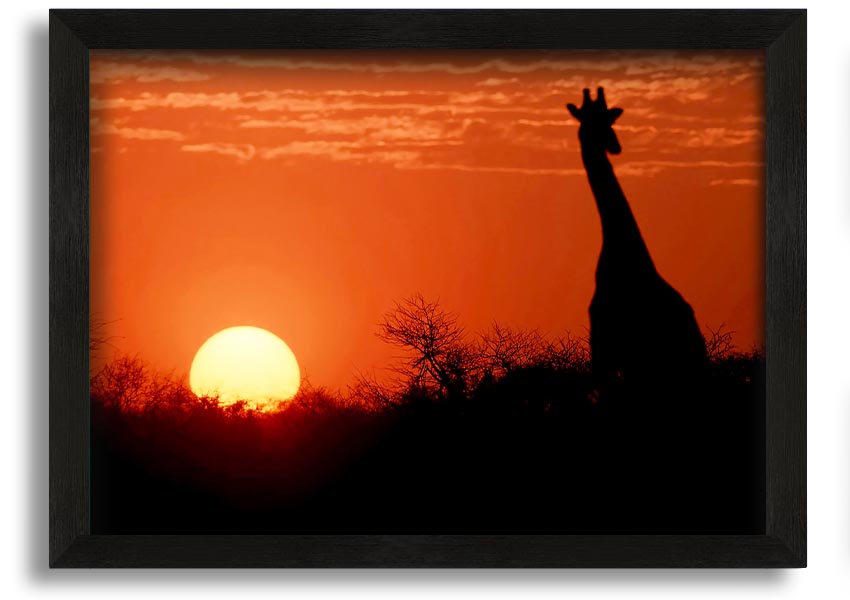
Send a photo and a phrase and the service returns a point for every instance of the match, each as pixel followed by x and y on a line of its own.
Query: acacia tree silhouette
pixel 642 332
pixel 437 355
pixel 505 349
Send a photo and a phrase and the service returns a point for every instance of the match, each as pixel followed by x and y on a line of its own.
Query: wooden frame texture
pixel 781 33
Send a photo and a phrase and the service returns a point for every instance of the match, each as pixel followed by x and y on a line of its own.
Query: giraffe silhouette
pixel 642 331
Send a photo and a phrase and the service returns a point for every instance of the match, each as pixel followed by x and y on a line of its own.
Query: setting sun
pixel 245 363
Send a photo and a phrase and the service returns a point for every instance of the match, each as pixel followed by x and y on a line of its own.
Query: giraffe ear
pixel 574 111
pixel 614 114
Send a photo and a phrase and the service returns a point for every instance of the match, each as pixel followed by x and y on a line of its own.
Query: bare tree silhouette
pixel 99 339
pixel 436 352
pixel 719 343
pixel 371 394
pixel 504 349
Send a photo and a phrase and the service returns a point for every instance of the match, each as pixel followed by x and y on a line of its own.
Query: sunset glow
pixel 528 282
pixel 307 192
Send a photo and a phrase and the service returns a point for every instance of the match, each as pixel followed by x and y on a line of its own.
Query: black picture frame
pixel 781 33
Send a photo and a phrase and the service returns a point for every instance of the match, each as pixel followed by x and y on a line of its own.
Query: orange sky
pixel 305 192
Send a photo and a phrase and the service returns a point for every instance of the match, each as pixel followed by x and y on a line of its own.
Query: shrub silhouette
pixel 437 356
pixel 505 349
pixel 497 432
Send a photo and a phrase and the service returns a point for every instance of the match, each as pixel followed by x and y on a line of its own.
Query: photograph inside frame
pixel 424 292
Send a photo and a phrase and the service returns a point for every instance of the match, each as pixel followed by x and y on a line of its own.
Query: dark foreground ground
pixel 528 452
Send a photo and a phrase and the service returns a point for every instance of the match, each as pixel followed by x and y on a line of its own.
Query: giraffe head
pixel 595 131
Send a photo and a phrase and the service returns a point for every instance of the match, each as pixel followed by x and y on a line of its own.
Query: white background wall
pixel 23 424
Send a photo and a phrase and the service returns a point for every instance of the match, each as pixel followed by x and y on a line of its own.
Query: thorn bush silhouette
pixel 499 432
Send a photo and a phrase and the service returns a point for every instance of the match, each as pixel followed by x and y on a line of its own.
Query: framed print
pixel 474 288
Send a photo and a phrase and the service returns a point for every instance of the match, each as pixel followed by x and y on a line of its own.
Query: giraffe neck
pixel 622 243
